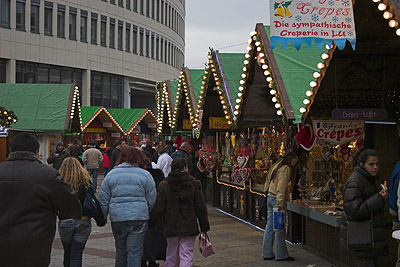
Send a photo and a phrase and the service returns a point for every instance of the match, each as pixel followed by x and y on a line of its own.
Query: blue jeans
pixel 74 234
pixel 106 170
pixel 93 173
pixel 129 238
pixel 269 235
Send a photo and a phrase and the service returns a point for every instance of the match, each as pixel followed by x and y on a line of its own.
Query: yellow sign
pixel 186 125
pixel 94 130
pixel 218 123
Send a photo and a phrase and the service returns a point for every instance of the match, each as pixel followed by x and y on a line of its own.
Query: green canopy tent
pixel 130 119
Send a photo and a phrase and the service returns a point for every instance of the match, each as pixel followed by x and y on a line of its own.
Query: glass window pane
pixel 106 92
pixel 120 36
pixel 55 75
pixel 42 75
pixel 112 35
pixel 128 39
pixel 66 76
pixel 48 21
pixel 83 29
pixel 103 33
pixel 34 18
pixel 93 30
pixel 20 16
pixel 72 26
pixel 60 23
pixel 5 13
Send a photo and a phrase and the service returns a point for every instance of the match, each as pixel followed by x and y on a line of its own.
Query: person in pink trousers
pixel 180 201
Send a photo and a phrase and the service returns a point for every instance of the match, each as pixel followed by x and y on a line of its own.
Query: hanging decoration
pixel 7 117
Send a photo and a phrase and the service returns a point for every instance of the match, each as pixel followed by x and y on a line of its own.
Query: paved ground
pixel 236 244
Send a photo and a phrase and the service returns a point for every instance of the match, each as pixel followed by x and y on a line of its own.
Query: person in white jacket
pixel 164 160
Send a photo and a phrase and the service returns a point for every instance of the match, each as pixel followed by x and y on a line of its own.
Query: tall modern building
pixel 114 50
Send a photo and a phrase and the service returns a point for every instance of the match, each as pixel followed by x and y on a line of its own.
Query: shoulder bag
pixel 205 246
pixel 360 235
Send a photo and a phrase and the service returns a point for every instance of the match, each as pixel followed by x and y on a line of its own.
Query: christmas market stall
pixel 352 102
pixel 164 108
pixel 215 119
pixel 50 111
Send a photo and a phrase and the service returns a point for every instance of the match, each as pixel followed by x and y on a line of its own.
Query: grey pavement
pixel 236 244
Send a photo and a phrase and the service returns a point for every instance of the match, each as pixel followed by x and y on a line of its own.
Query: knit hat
pixel 59 143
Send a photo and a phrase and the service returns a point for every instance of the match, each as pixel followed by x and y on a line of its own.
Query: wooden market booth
pixel 164 108
pixel 50 111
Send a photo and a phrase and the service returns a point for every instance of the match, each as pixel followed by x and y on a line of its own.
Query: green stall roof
pixel 196 77
pixel 87 113
pixel 174 91
pixel 296 69
pixel 232 64
pixel 128 118
pixel 39 107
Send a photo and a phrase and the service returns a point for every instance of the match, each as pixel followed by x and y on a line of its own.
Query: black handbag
pixel 360 235
pixel 92 207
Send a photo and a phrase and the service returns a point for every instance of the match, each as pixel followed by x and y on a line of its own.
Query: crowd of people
pixel 136 193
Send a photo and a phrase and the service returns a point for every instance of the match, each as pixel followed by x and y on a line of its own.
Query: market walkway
pixel 236 244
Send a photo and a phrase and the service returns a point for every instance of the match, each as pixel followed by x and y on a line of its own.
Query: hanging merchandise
pixel 243 170
pixel 208 158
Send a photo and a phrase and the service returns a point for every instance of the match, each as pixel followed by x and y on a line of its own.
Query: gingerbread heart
pixel 212 154
pixel 210 164
pixel 201 166
pixel 203 153
pixel 242 161
pixel 235 176
pixel 244 174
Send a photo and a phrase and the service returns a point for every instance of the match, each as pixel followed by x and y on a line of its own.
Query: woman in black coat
pixel 363 199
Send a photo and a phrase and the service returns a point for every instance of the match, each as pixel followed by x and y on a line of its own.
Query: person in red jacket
pixel 106 162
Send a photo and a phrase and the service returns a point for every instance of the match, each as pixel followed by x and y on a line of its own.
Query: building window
pixel 93 29
pixel 166 14
pixel 134 7
pixel 112 33
pixel 5 13
pixel 157 47
pixel 112 2
pixel 120 34
pixel 121 3
pixel 48 18
pixel 107 90
pixel 3 69
pixel 103 31
pixel 20 15
pixel 162 12
pixel 128 4
pixel 169 16
pixel 148 8
pixel 166 52
pixel 147 43
pixel 35 7
pixel 152 46
pixel 84 28
pixel 161 50
pixel 141 37
pixel 169 53
pixel 153 6
pixel 128 37
pixel 61 21
pixel 134 40
pixel 158 10
pixel 72 23
pixel 142 7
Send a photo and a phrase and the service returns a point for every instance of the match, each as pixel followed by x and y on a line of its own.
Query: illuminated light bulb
pixel 387 15
pixel 320 65
pixel 398 32
pixel 381 6
pixel 203 82
pixel 266 73
pixel 272 92
pixel 316 75
pixel 375 1
pixel 277 105
pixel 202 87
pixel 274 99
pixel 237 107
pixel 279 112
pixel 313 84
pixel 241 82
pixel 324 56
pixel 249 41
pixel 270 85
pixel 248 48
pixel 229 122
pixel 244 69
pixel 261 55
pixel 247 56
pixel 213 69
pixel 227 117
pixel 76 87
pixel 209 56
pixel 269 79
pixel 262 61
pixel 264 67
pixel 302 110
pixel 246 62
pixel 306 101
pixel 258 49
pixel 239 94
pixel 238 100
pixel 253 33
pixel 393 23
pixel 243 75
pixel 240 88
pixel 236 112
pixel 258 43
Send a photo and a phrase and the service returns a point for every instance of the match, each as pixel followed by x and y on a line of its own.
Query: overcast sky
pixel 221 24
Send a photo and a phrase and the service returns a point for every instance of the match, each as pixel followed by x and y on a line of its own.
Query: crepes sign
pixel 299 21
pixel 338 132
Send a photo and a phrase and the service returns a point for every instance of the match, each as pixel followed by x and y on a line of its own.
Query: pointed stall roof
pixel 89 114
pixel 128 119
pixel 164 107
pixel 42 107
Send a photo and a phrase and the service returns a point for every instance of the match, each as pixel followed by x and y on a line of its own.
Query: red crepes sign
pixel 338 132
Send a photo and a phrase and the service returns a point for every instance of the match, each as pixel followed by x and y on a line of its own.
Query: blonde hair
pixel 74 174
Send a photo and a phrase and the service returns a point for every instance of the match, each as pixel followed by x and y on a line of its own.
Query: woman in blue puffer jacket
pixel 128 194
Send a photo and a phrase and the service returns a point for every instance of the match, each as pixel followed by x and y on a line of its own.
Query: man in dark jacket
pixel 75 150
pixel 116 152
pixel 184 152
pixel 31 196
pixel 56 158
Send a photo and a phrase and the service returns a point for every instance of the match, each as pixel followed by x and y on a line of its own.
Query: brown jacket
pixel 281 185
pixel 180 199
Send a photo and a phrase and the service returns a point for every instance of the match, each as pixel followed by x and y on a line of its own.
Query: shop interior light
pixel 381 6
pixel 387 15
pixel 393 23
